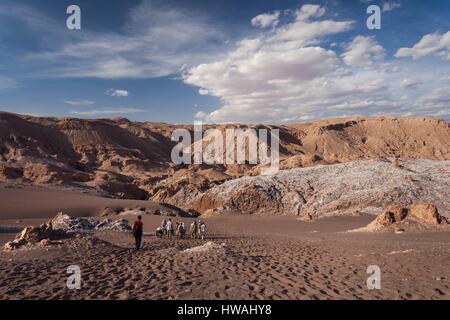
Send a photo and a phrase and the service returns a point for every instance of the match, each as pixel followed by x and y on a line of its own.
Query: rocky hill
pixel 126 159
pixel 321 191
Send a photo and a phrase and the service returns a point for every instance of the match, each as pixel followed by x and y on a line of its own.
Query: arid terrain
pixel 351 193
pixel 262 258
pixel 132 160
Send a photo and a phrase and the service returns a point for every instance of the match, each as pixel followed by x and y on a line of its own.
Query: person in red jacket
pixel 138 228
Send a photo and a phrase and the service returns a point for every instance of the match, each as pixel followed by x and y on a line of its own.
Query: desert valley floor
pixel 261 258
pixel 282 236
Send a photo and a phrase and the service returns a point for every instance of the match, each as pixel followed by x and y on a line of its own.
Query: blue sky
pixel 224 61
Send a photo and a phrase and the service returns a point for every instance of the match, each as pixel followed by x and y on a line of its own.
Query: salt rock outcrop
pixel 342 189
pixel 417 216
pixel 74 224
pixel 62 226
pixel 206 248
pixel 33 235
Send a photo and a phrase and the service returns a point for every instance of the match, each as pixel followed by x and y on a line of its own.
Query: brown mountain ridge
pixel 125 159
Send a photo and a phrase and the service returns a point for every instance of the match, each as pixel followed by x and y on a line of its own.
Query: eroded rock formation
pixel 418 216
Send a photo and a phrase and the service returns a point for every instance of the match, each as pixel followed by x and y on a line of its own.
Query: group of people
pixel 167 229
pixel 197 230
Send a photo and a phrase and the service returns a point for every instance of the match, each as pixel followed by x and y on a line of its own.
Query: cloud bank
pixel 266 20
pixel 156 40
pixel 431 44
pixel 105 111
pixel 79 102
pixel 290 73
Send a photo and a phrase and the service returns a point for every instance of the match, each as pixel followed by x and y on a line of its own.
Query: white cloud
pixel 410 83
pixel 156 40
pixel 431 44
pixel 111 111
pixel 79 102
pixel 264 76
pixel 363 52
pixel 201 115
pixel 303 32
pixel 309 11
pixel 117 93
pixel 438 96
pixel 284 74
pixel 203 92
pixel 266 20
pixel 389 6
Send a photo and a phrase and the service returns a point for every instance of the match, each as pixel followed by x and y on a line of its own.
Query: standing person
pixel 177 229
pixel 183 229
pixel 163 226
pixel 199 224
pixel 193 230
pixel 180 230
pixel 203 230
pixel 169 229
pixel 138 228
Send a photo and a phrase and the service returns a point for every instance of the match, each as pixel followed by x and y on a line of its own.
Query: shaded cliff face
pixel 132 159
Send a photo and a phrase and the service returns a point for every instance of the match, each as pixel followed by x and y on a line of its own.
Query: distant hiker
pixel 193 230
pixel 163 226
pixel 169 229
pixel 184 229
pixel 199 224
pixel 159 232
pixel 138 228
pixel 181 230
pixel 203 230
pixel 177 228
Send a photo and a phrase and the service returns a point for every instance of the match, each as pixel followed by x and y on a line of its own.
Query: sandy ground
pixel 263 258
pixel 30 202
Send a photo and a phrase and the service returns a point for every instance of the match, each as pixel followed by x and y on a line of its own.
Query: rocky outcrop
pixel 33 235
pixel 62 226
pixel 10 172
pixel 418 216
pixel 342 189
pixel 69 224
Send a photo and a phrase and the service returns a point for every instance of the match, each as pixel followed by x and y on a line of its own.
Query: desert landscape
pixel 351 193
